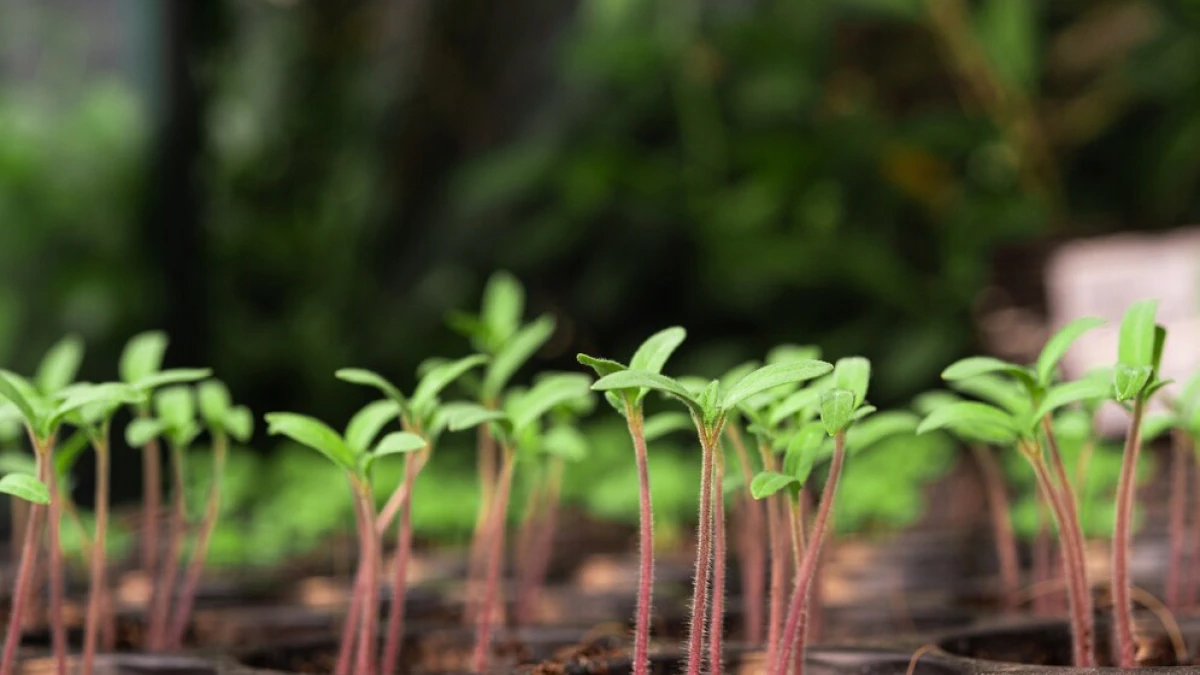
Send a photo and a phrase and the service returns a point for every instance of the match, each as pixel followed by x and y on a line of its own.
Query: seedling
pixel 650 357
pixel 29 489
pixel 143 356
pixel 355 453
pixel 1024 421
pixel 422 416
pixel 710 409
pixel 520 417
pixel 1135 380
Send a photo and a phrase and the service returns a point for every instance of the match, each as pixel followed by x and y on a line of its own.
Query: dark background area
pixel 294 186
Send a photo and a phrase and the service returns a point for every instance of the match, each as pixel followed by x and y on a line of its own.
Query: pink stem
pixel 1002 532
pixel 751 552
pixel 641 640
pixel 523 556
pixel 1178 521
pixel 165 592
pixel 542 543
pixel 365 663
pixel 350 627
pixel 1123 542
pixel 151 504
pixel 21 590
pixel 495 531
pixel 778 542
pixel 58 630
pixel 1193 573
pixel 395 634
pixel 1071 511
pixel 195 570
pixel 477 558
pixel 98 582
pixel 703 556
pixel 717 617
pixel 793 633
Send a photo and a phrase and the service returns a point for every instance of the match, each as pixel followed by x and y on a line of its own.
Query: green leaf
pixel 1136 344
pixel 996 390
pixel 239 423
pixel 142 430
pixel 1129 381
pixel 176 406
pixel 767 483
pixel 215 402
pixel 789 353
pixel 519 349
pixel 1008 32
pixel 97 402
pixel 469 415
pixel 367 378
pixel 635 379
pixel 1058 344
pixel 837 409
pixel 601 366
pixel 12 461
pixel 802 450
pixel 980 365
pixel 879 427
pixel 67 453
pixel 25 486
pixel 60 365
pixel 503 306
pixel 172 376
pixel 142 356
pixel 807 399
pixel 1071 392
pixel 25 397
pixel 771 376
pixel 931 400
pixel 566 443
pixel 314 434
pixel 399 442
pixel 652 355
pixel 853 374
pixel 1157 424
pixel 657 426
pixel 548 393
pixel 425 395
pixel 972 420
pixel 366 424
pixel 1153 388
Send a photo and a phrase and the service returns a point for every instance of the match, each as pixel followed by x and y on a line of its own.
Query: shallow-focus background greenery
pixel 288 187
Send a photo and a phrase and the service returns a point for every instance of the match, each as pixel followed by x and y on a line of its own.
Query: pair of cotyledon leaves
pixel 1012 413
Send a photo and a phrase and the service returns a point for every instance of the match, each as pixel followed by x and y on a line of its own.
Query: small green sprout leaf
pixel 929 401
pixel 880 427
pixel 469 415
pixel 60 365
pixel 441 376
pixel 98 401
pixel 786 353
pixel 980 365
pixel 802 450
pixel 806 400
pixel 862 411
pixel 1157 424
pixel 853 374
pixel 1136 343
pixel 25 486
pixel 970 419
pixel 367 378
pixel 657 426
pixel 12 461
pixel 67 453
pixel 502 306
pixel 652 355
pixel 314 434
pixel 996 390
pixel 601 366
pixel 768 483
pixel 565 442
pixel 548 393
pixel 215 402
pixel 1057 346
pixel 25 397
pixel 1068 393
pixel 1130 380
pixel 172 376
pixel 515 352
pixel 142 356
pixel 633 379
pixel 837 409
pixel 175 406
pixel 239 423
pixel 366 424
pixel 143 430
pixel 771 376
pixel 399 442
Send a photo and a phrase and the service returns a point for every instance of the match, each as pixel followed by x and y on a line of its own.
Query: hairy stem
pixel 98 581
pixel 793 633
pixel 716 624
pixel 350 626
pixel 1079 599
pixel 22 587
pixel 1002 532
pixel 1176 530
pixel 641 635
pixel 703 555
pixel 1069 502
pixel 395 634
pixel 751 552
pixel 58 630
pixel 777 542
pixel 151 504
pixel 369 557
pixel 1123 542
pixel 495 560
pixel 527 533
pixel 191 581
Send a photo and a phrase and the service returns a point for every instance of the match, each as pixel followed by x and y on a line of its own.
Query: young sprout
pixel 521 415
pixel 26 488
pixel 222 420
pixel 710 409
pixel 1135 380
pixel 421 415
pixel 355 453
pixel 650 357
pixel 143 356
pixel 1025 422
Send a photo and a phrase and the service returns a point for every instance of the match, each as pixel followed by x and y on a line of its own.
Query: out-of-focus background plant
pixel 288 186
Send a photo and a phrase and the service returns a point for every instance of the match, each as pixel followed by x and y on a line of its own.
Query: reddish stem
pixel 195 570
pixel 717 617
pixel 1177 521
pixel 22 587
pixel 703 555
pixel 1193 570
pixel 350 627
pixel 395 635
pixel 1042 553
pixel 98 581
pixel 1079 599
pixel 777 540
pixel 541 544
pixel 1070 509
pixel 151 504
pixel 477 558
pixel 170 565
pixel 1123 542
pixel 641 636
pixel 751 552
pixel 58 630
pixel 523 555
pixel 1002 532
pixel 495 559
pixel 793 633
pixel 369 555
